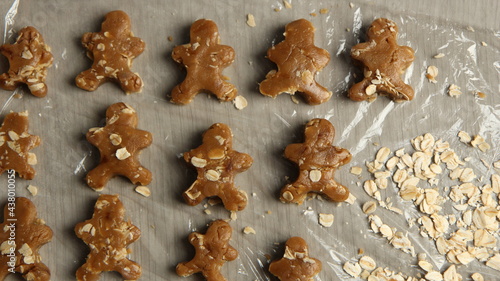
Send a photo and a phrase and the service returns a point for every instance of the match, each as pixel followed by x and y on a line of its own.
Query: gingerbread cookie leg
pixel 185 92
pixel 7 82
pixel 130 82
pixel 98 177
pixel 234 201
pixel 193 195
pixel 138 174
pixel 89 80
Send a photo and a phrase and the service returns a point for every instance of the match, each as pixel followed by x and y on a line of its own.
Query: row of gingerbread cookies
pixel 108 235
pixel 120 143
pixel 298 59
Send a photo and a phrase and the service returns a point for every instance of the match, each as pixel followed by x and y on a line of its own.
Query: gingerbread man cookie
pixel 217 164
pixel 108 235
pixel 212 251
pixel 204 59
pixel 112 50
pixel 15 144
pixel 29 58
pixel 383 63
pixel 20 254
pixel 296 265
pixel 298 61
pixel 119 144
pixel 318 160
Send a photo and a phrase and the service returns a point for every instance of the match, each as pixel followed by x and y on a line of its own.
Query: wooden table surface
pixel 263 129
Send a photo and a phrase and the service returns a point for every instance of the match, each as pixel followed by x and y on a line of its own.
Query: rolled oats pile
pixel 457 209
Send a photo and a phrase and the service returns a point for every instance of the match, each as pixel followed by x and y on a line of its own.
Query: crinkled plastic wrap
pixel 263 129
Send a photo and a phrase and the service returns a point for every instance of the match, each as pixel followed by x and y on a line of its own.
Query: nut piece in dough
pixel 212 251
pixel 204 59
pixel 318 160
pixel 112 50
pixel 31 234
pixel 217 164
pixel 29 58
pixel 15 144
pixel 296 265
pixel 383 62
pixel 122 158
pixel 298 61
pixel 108 235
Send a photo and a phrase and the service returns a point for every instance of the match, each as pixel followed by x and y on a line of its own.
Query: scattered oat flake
pixel 170 38
pixel 464 137
pixel 323 11
pixel 484 44
pixel 233 216
pixel 249 230
pixel 251 20
pixel 470 28
pixel 287 4
pixel 240 102
pixel 351 199
pixel 432 73
pixel 352 269
pixel 143 190
pixel 351 5
pixel 32 189
pixel 369 207
pixel 207 211
pixel 326 220
pixel 355 170
pixel 439 55
pixel 313 14
pixel 454 91
pixel 480 95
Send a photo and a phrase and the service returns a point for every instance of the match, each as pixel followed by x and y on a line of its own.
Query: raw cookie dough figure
pixel 29 58
pixel 119 144
pixel 318 160
pixel 204 59
pixel 212 251
pixel 112 50
pixel 217 164
pixel 298 61
pixel 384 61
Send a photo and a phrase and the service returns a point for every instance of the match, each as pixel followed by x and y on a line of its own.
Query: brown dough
pixel 384 61
pixel 212 251
pixel 29 58
pixel 204 59
pixel 108 235
pixel 296 265
pixel 119 144
pixel 298 61
pixel 112 50
pixel 31 234
pixel 318 160
pixel 15 144
pixel 217 163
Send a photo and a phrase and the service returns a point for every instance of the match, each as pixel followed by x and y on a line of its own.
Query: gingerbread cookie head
pixel 298 61
pixel 296 264
pixel 383 61
pixel 217 164
pixel 108 235
pixel 212 251
pixel 117 23
pixel 119 144
pixel 29 58
pixel 112 50
pixel 318 161
pixel 31 234
pixel 15 144
pixel 204 60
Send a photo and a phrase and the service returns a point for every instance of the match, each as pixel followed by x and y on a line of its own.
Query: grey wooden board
pixel 263 129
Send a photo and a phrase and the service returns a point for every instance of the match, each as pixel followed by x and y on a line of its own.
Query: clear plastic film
pixel 470 60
